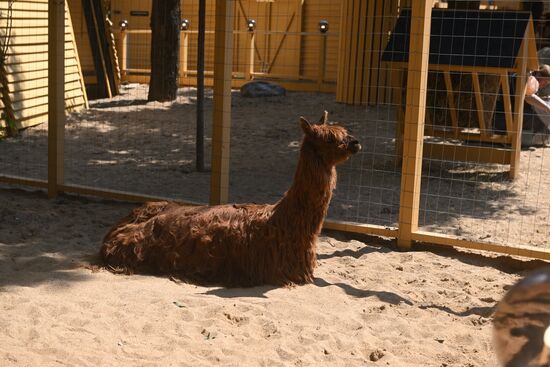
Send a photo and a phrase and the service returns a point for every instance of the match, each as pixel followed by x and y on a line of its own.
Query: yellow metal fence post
pixel 414 121
pixel 56 94
pixel 223 64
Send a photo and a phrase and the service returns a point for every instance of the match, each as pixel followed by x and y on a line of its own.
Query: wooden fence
pixel 250 67
pixel 407 231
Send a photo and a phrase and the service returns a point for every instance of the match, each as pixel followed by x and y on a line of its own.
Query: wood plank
pixel 479 105
pixel 56 95
pixel 38 74
pixel 26 113
pixel 76 58
pixel 68 85
pixel 466 153
pixel 43 92
pixel 447 240
pixel 352 69
pixel 520 90
pixel 469 136
pixel 376 52
pixel 39 83
pixel 18 180
pixel 507 103
pixel 29 103
pixel 451 101
pixel 221 126
pixel 34 49
pixel 414 121
pixel 352 227
pixel 460 68
pixel 118 195
pixel 25 6
pixel 362 53
pixel 343 57
pixel 33 121
pixel 17 41
pixel 35 23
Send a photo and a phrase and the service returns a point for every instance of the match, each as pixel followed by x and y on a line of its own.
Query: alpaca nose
pixel 354 146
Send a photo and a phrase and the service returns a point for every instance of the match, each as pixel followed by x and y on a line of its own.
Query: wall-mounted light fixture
pixel 123 24
pixel 251 25
pixel 184 24
pixel 323 26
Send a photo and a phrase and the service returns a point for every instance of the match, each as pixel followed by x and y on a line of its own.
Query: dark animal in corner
pixel 239 245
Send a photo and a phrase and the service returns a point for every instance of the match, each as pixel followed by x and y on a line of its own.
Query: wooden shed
pixel 504 46
pixel 24 72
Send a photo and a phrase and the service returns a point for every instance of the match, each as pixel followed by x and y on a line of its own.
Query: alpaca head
pixel 331 142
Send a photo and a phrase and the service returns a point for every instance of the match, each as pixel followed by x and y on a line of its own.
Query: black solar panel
pixel 467 38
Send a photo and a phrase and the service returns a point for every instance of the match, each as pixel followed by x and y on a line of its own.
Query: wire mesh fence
pixel 484 174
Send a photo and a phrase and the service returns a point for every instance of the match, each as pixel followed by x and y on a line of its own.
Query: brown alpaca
pixel 239 245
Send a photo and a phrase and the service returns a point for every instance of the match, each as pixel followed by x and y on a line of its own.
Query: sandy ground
pixel 370 304
pixel 128 144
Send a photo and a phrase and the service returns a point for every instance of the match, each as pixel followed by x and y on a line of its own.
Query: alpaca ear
pixel 305 125
pixel 324 118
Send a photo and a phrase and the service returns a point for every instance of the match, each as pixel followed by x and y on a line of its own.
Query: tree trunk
pixel 165 46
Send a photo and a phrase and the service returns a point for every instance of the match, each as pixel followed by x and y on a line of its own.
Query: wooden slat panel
pixel 23 23
pixel 343 60
pixel 352 70
pixel 24 6
pixel 376 45
pixel 39 74
pixel 34 65
pixel 35 49
pixel 362 53
pixel 39 83
pixel 32 40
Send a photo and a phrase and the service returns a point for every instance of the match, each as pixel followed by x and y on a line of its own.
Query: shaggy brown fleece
pixel 239 245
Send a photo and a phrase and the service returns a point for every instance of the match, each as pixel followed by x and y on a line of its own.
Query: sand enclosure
pixel 369 305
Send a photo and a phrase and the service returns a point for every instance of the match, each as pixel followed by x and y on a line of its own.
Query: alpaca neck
pixel 306 203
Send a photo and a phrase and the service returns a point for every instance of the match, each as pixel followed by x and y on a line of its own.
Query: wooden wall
pixel 281 50
pixel 25 73
pixel 362 78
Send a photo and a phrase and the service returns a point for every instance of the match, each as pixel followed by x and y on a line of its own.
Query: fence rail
pixel 296 81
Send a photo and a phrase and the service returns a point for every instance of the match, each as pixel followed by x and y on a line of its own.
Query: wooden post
pixel 56 94
pixel 184 55
pixel 123 53
pixel 221 124
pixel 451 101
pixel 322 60
pixel 199 142
pixel 250 56
pixel 521 81
pixel 414 121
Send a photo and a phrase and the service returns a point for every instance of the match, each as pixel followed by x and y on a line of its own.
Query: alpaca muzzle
pixel 354 146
